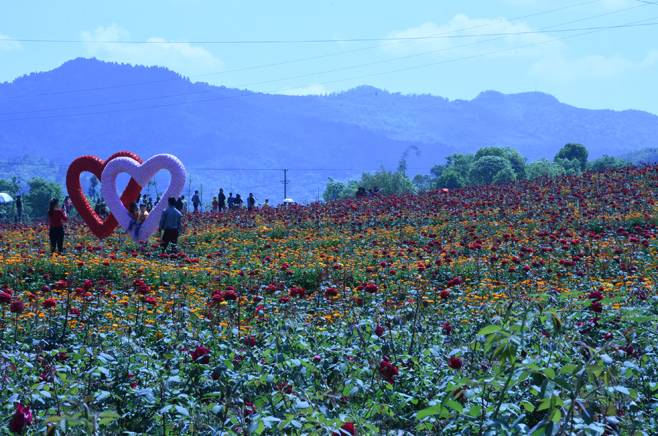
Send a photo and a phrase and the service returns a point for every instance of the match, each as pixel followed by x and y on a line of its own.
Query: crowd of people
pixel 170 221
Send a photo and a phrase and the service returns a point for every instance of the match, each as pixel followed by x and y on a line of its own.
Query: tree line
pixel 489 165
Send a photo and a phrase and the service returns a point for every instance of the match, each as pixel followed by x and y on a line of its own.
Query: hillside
pixel 88 104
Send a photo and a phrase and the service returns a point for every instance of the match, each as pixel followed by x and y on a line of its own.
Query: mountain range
pixel 239 138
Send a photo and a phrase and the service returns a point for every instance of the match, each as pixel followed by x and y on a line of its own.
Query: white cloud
pixel 314 89
pixel 517 42
pixel 180 57
pixel 7 43
pixel 563 68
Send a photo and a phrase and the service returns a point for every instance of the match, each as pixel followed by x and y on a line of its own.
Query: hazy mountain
pixel 88 106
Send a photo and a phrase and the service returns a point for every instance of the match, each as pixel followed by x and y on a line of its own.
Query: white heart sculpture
pixel 142 173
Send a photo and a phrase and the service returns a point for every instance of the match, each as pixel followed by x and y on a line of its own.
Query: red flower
pixel 388 370
pixel 379 330
pixel 455 362
pixel 347 428
pixel 447 328
pixel 49 302
pixel 331 292
pixel 250 341
pixel 22 418
pixel 444 294
pixel 17 307
pixel 230 294
pixel 296 291
pixel 74 311
pixel 371 288
pixel 201 355
pixel 596 307
pixel 5 297
pixel 595 295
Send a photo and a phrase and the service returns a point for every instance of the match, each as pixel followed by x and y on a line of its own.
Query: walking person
pixel 221 200
pixel 196 201
pixel 251 202
pixel 230 201
pixel 19 209
pixel 56 219
pixel 170 224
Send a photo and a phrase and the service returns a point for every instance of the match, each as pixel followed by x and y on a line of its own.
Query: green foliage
pixel 571 167
pixel 543 168
pixel 516 160
pixel 11 187
pixel 485 169
pixel 606 162
pixel 573 151
pixel 506 175
pixel 387 182
pixel 451 178
pixel 40 193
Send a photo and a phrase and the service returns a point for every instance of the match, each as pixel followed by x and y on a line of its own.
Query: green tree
pixel 573 151
pixel 11 187
pixel 506 175
pixel 333 191
pixel 423 182
pixel 40 193
pixel 516 160
pixel 543 168
pixel 607 162
pixel 572 167
pixel 451 178
pixel 485 168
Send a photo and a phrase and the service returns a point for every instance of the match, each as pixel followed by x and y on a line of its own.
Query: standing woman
pixel 56 219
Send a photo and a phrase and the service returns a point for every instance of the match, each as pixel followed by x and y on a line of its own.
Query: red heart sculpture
pixel 102 229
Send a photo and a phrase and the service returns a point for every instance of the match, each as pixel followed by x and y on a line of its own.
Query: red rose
pixel 455 362
pixel 388 370
pixel 22 418
pixel 347 428
pixel 49 303
pixel 17 307
pixel 201 355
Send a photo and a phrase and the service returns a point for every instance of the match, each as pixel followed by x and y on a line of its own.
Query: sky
pixel 505 45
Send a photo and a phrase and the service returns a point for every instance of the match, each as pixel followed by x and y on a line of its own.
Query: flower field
pixel 528 308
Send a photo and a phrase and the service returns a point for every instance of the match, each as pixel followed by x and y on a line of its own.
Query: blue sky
pixel 614 69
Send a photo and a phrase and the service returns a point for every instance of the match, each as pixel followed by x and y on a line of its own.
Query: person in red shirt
pixel 56 219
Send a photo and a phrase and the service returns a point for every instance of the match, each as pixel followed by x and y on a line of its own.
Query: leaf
pixel 528 406
pixel 102 395
pixel 429 411
pixel 454 405
pixel 557 416
pixel 182 410
pixel 488 330
pixel 569 368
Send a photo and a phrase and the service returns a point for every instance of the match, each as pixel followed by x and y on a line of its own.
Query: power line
pixel 543 12
pixel 594 30
pixel 345 68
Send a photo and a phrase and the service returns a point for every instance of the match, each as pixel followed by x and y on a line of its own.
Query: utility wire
pixel 297 60
pixel 345 68
pixel 594 30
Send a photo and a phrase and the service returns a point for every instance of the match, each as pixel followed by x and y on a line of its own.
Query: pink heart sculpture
pixel 141 173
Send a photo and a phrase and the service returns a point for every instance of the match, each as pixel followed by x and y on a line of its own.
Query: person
pixel 221 200
pixel 196 201
pixel 230 200
pixel 179 204
pixel 266 205
pixel 133 211
pixel 215 205
pixel 170 224
pixel 19 209
pixel 56 219
pixel 141 217
pixel 237 201
pixel 68 205
pixel 251 202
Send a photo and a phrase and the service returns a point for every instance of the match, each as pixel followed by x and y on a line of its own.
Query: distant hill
pixel 90 106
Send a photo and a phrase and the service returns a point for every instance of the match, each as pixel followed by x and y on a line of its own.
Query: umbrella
pixel 5 198
pixel 288 200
